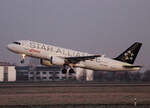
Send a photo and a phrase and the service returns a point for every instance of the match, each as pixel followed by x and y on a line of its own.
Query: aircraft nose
pixel 9 46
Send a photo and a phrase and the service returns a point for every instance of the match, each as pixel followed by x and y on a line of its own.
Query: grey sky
pixel 94 26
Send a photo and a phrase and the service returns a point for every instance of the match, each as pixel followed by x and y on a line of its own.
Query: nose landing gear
pixel 23 58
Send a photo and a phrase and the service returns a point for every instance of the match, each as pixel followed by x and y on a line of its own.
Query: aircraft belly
pixel 96 66
pixel 102 66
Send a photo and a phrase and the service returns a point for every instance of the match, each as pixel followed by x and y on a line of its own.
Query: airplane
pixel 52 55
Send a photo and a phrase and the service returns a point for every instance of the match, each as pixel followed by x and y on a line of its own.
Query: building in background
pixel 37 72
pixel 84 74
pixel 7 72
pixel 22 73
pixel 41 73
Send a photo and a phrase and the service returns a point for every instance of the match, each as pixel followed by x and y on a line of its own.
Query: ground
pixel 72 93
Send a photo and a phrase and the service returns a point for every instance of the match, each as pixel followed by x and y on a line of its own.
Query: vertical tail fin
pixel 130 54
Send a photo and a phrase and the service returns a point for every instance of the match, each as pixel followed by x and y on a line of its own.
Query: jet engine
pixel 57 60
pixel 46 62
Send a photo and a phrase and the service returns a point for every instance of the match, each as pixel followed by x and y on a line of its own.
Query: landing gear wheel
pixel 71 71
pixel 64 71
pixel 22 61
pixel 68 70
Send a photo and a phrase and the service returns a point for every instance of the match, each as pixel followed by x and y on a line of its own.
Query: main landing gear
pixel 68 70
pixel 23 58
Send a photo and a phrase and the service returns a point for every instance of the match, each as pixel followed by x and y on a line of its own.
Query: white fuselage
pixel 44 51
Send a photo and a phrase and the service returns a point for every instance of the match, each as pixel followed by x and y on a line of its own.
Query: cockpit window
pixel 18 43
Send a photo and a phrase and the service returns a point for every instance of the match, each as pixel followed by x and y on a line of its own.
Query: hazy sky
pixel 94 26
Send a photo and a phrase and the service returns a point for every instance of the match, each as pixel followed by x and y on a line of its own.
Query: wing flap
pixel 80 58
pixel 125 66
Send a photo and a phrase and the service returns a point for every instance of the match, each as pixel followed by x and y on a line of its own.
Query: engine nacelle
pixel 46 62
pixel 57 61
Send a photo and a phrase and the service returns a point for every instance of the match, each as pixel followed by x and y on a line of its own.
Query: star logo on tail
pixel 129 55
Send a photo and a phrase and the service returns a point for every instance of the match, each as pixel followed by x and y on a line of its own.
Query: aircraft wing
pixel 132 66
pixel 75 60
